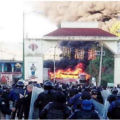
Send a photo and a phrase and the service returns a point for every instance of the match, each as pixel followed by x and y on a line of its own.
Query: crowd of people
pixel 59 101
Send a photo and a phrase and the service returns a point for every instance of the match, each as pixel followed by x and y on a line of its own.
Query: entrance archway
pixel 88 32
pixel 77 32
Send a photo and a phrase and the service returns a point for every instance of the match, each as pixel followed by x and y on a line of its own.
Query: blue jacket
pixel 14 94
pixel 74 101
pixel 112 105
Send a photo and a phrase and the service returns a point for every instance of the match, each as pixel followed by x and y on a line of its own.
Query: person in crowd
pixel 48 95
pixel 25 102
pixel 86 112
pixel 14 96
pixel 112 97
pixel 99 96
pixel 5 94
pixel 56 109
pixel 94 94
pixel 85 96
pixel 4 110
pixel 114 109
pixel 73 101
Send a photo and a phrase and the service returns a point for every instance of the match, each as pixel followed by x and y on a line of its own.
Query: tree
pixel 107 67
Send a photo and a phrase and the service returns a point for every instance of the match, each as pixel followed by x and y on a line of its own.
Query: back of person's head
pixel 114 91
pixel 48 85
pixel 5 87
pixel 30 82
pixel 85 95
pixel 87 89
pixel 60 97
pixel 94 92
pixel 20 83
pixel 59 89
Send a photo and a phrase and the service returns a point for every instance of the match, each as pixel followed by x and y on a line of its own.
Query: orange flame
pixel 69 73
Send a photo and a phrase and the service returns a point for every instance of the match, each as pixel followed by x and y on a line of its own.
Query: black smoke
pixel 65 62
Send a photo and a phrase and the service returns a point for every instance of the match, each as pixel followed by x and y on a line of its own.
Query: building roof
pixel 79 33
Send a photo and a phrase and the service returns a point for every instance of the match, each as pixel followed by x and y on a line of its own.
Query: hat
pixel 94 92
pixel 86 105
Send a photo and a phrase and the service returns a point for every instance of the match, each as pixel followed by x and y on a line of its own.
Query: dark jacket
pixel 3 107
pixel 55 110
pixel 44 98
pixel 84 114
pixel 114 110
pixel 25 101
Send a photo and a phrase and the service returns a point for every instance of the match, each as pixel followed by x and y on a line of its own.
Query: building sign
pixel 79 54
pixel 91 54
pixel 66 52
pixel 33 59
pixel 32 48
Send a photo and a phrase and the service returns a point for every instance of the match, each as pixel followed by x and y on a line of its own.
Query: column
pixel 12 65
pixel 2 66
pixel 117 69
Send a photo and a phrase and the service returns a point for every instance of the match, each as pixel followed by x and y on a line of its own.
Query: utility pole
pixel 23 47
pixel 24 14
pixel 100 68
pixel 54 61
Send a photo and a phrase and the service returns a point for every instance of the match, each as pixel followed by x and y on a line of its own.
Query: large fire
pixel 69 73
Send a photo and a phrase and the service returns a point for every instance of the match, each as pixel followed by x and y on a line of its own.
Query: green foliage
pixel 107 67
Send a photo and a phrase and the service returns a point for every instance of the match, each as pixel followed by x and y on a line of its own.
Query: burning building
pixel 69 75
pixel 72 63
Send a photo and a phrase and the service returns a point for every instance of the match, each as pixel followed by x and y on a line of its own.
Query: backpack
pixel 54 113
pixel 116 110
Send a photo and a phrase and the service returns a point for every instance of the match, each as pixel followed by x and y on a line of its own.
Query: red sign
pixel 33 47
pixel 91 54
pixel 79 54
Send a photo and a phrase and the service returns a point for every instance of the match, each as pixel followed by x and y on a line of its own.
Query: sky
pixel 11 27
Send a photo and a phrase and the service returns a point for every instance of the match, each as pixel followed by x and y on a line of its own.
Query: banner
pixel 6 79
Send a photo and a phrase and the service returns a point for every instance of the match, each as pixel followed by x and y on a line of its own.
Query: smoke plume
pixel 105 12
pixel 65 62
